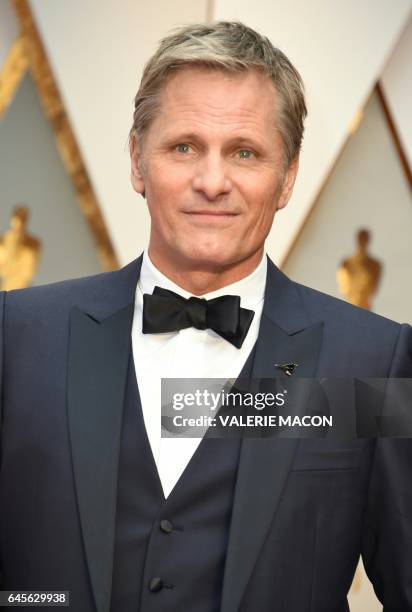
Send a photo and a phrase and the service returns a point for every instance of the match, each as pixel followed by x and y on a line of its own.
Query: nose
pixel 211 179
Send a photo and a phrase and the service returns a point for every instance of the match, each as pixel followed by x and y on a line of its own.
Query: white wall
pixel 97 49
pixel 340 49
pixel 397 87
pixel 8 29
pixel 367 189
pixel 31 172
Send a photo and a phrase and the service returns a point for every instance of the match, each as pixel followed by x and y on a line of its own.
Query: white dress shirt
pixel 188 353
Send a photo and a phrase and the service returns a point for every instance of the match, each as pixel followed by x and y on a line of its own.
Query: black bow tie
pixel 166 311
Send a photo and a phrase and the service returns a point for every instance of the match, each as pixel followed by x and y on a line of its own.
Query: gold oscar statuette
pixel 19 252
pixel 358 276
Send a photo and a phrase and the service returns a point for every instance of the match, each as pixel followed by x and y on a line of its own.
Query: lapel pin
pixel 287 368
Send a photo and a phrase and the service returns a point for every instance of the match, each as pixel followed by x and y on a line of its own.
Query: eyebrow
pixel 182 137
pixel 234 140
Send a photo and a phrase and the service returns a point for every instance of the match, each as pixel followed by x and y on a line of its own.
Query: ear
pixel 288 183
pixel 136 161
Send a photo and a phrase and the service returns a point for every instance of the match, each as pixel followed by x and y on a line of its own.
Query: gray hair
pixel 231 47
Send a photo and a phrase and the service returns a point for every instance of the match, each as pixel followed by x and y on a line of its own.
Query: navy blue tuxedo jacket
pixel 303 510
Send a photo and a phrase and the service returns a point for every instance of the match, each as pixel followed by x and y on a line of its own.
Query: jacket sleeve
pixel 2 306
pixel 387 533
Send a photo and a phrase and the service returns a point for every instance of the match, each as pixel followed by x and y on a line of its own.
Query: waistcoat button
pixel 166 526
pixel 156 584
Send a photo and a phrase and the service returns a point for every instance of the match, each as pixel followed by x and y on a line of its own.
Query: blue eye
pixel 182 148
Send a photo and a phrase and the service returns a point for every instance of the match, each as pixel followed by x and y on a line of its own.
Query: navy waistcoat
pixel 170 553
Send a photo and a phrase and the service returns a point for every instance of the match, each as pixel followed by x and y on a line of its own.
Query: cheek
pixel 260 191
pixel 262 205
pixel 167 186
pixel 164 200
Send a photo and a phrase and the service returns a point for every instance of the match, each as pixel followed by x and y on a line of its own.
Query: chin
pixel 207 256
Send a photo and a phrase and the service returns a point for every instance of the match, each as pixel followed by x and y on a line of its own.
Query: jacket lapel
pixel 99 348
pixel 285 335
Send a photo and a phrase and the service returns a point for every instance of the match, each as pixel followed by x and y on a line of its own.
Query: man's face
pixel 211 166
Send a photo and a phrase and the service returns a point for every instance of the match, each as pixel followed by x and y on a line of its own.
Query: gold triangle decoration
pixel 28 53
pixel 12 73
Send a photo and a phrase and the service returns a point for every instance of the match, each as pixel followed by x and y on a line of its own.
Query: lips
pixel 210 219
pixel 208 213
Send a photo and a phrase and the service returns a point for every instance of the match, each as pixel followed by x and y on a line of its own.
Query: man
pixel 92 499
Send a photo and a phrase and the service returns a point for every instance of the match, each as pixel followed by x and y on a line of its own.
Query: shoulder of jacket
pixel 341 314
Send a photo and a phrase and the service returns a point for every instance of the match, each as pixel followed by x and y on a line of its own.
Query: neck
pixel 200 278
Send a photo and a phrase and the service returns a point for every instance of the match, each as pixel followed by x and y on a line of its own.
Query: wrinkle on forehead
pixel 213 99
pixel 215 121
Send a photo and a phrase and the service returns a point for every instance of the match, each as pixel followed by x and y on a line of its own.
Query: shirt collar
pixel 251 288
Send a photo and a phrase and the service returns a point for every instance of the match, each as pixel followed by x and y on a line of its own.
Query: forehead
pixel 215 98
